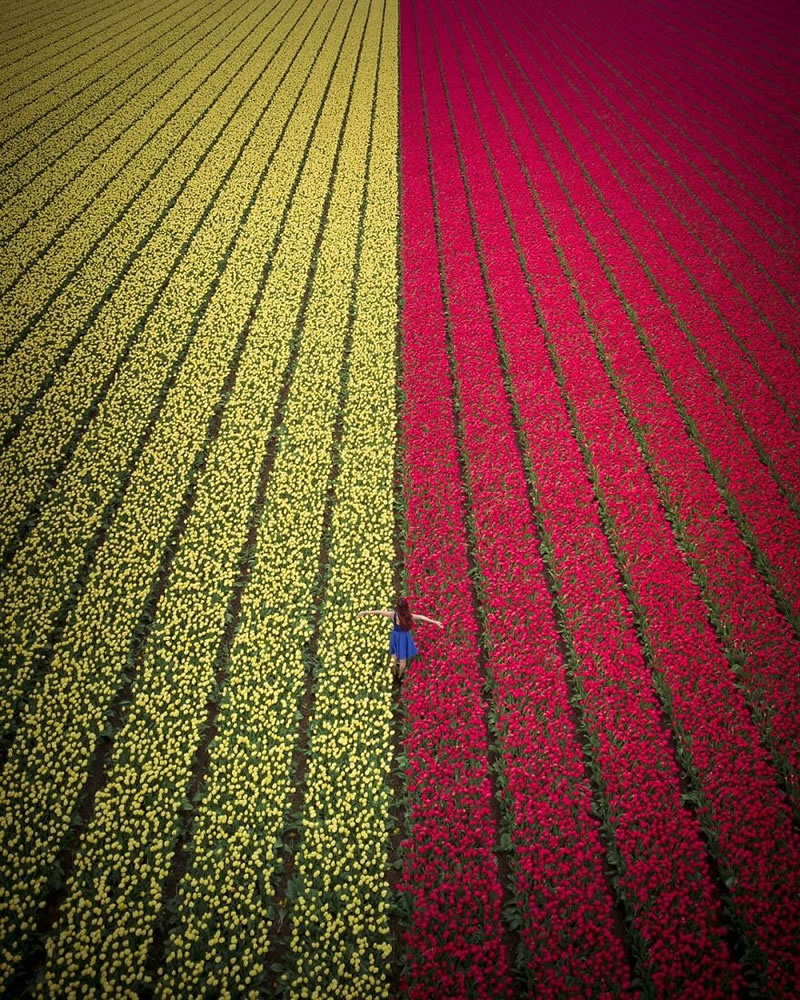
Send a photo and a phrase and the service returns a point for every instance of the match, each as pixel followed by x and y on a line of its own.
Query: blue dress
pixel 401 642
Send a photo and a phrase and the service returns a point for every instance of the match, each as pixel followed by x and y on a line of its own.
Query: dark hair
pixel 402 612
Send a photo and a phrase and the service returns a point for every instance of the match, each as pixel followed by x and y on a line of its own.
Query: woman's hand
pixel 440 625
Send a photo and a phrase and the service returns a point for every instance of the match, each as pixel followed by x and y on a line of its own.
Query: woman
pixel 401 642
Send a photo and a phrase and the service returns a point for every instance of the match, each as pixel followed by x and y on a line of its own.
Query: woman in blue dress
pixel 401 641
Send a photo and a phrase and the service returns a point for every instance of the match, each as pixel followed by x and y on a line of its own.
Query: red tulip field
pixel 602 415
pixel 311 304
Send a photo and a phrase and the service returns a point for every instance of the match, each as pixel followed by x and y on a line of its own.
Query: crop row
pixel 46 151
pixel 698 99
pixel 610 431
pixel 758 521
pixel 46 206
pixel 114 317
pixel 764 478
pixel 72 84
pixel 197 587
pixel 547 794
pixel 98 634
pixel 696 150
pixel 111 252
pixel 110 445
pixel 770 813
pixel 701 506
pixel 453 941
pixel 762 204
pixel 70 29
pixel 68 392
pixel 45 142
pixel 759 640
pixel 601 634
pixel 36 23
pixel 734 286
pixel 668 149
pixel 340 942
pixel 726 288
pixel 680 647
pixel 279 627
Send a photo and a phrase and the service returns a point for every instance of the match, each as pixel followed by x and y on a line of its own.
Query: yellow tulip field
pixel 199 324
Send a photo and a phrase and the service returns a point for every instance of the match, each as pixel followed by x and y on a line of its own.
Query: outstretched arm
pixel 384 614
pixel 430 621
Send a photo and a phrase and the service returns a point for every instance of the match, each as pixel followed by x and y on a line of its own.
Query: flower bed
pixel 454 940
pixel 601 635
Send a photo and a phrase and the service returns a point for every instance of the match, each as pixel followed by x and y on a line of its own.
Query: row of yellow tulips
pixel 116 892
pixel 182 320
pixel 340 943
pixel 108 285
pixel 48 760
pixel 78 67
pixel 223 934
pixel 118 150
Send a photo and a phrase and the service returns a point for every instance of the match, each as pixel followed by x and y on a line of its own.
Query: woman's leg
pixel 394 664
pixel 402 669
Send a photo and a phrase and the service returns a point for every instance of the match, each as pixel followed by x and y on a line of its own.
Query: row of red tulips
pixel 718 393
pixel 635 765
pixel 576 372
pixel 454 943
pixel 746 282
pixel 717 740
pixel 760 218
pixel 696 79
pixel 566 909
pixel 741 601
